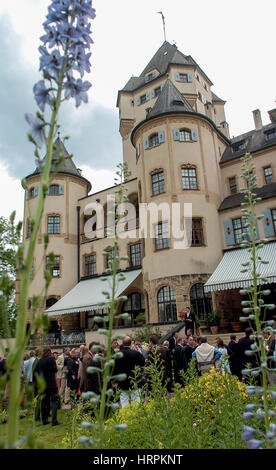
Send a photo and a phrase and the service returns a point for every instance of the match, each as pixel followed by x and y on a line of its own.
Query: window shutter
pixel 177 77
pixel 148 96
pixel 146 143
pixel 175 134
pixel 138 101
pixel 268 224
pixel 194 135
pixel 162 86
pixel 161 137
pixel 152 94
pixel 61 189
pixel 229 232
pixel 190 77
pixel 35 191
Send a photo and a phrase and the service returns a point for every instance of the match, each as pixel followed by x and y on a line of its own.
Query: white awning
pixel 87 294
pixel 227 274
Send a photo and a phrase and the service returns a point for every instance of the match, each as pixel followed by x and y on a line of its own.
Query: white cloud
pixel 11 195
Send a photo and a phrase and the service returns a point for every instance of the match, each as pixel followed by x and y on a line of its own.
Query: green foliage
pixel 212 319
pixel 145 331
pixel 9 241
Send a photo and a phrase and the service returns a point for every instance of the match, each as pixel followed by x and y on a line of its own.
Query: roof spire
pixel 164 26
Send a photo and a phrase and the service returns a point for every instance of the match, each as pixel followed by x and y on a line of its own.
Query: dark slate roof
pixel 235 200
pixel 254 140
pixel 216 99
pixel 167 54
pixel 67 166
pixel 170 100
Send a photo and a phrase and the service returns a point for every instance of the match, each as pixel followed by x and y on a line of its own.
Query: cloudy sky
pixel 233 42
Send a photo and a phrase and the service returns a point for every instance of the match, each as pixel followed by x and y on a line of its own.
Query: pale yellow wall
pixel 63 244
pixel 233 168
pixel 169 156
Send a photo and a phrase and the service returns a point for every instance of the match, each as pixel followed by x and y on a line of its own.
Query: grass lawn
pixel 47 437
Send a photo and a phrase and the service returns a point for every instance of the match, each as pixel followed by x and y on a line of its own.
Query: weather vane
pixel 164 27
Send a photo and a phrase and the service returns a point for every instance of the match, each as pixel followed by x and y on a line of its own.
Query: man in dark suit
pixel 173 342
pixel 188 351
pixel 126 365
pixel 189 319
pixel 46 367
pixel 178 360
pixel 233 353
pixel 165 361
pixel 244 345
pixel 90 382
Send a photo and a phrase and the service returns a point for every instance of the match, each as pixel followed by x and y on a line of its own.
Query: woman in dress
pixel 222 364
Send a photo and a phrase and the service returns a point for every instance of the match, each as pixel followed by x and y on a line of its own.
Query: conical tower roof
pixel 170 100
pixel 66 166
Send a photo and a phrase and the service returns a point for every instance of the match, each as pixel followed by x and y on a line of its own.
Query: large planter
pixel 214 330
pixel 236 326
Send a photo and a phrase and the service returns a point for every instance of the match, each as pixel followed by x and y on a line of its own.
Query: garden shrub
pixel 206 414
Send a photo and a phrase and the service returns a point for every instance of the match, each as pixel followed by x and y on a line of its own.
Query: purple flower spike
pixel 247 416
pixel 36 129
pixel 254 444
pixel 248 433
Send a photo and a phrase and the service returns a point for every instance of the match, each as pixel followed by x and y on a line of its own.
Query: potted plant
pixel 140 319
pixel 197 321
pixel 236 324
pixel 212 320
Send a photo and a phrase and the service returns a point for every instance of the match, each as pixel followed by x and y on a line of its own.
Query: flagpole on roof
pixel 164 26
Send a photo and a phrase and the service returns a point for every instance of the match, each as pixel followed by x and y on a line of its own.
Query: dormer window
pixel 270 135
pixel 241 145
pixel 150 76
pixel 177 103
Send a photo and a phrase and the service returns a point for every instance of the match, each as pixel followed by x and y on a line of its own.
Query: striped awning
pixel 87 294
pixel 227 274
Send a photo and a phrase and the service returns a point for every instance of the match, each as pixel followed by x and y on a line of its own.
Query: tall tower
pixel 174 132
pixel 59 221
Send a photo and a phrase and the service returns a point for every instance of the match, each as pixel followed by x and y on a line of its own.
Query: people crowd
pixel 67 375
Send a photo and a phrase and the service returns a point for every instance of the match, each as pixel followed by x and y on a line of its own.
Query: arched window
pixel 201 301
pixel 185 135
pixel 153 140
pixel 134 306
pixel 166 304
pixel 50 301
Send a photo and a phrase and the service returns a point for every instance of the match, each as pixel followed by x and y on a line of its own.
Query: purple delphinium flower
pixel 68 32
pixel 36 129
pixel 85 7
pixel 248 415
pixel 51 37
pixel 248 433
pixel 251 406
pixel 81 61
pixel 41 94
pixel 77 89
pixel 254 444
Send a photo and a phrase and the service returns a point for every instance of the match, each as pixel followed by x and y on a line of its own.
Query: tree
pixel 9 241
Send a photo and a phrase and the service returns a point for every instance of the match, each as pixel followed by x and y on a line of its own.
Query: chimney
pixel 257 119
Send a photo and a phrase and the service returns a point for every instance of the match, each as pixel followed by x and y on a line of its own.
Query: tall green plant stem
pixel 112 313
pixel 256 307
pixel 16 356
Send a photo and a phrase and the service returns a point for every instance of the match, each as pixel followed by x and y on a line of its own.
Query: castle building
pixel 177 147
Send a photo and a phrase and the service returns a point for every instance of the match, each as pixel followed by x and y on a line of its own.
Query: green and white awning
pixel 87 294
pixel 227 274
